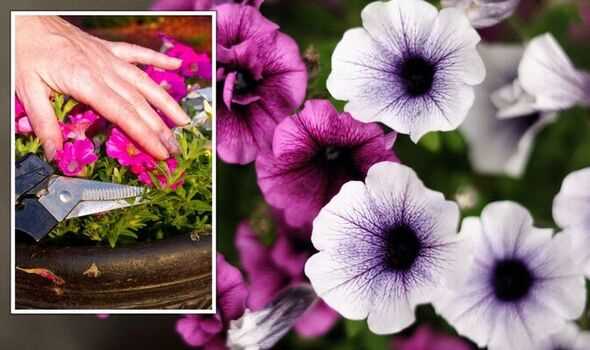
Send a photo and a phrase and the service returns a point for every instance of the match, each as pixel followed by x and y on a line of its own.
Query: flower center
pixel 403 248
pixel 512 280
pixel 332 153
pixel 417 75
pixel 244 83
pixel 73 166
pixel 132 150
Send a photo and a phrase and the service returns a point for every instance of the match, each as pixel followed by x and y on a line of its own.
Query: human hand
pixel 53 55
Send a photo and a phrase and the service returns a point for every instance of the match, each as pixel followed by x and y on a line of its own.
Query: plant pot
pixel 173 273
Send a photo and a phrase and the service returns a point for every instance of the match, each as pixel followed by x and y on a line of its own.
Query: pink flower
pixel 194 64
pixel 22 124
pixel 75 156
pixel 129 154
pixel 170 81
pixel 209 332
pixel 426 339
pixel 79 124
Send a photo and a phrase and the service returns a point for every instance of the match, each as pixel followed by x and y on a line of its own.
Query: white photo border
pixel 13 309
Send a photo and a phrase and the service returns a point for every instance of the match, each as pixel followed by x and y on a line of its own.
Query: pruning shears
pixel 44 199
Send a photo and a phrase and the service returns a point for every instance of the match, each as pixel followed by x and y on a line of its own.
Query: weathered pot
pixel 173 273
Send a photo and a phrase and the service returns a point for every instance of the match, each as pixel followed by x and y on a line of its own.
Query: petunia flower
pixel 261 79
pixel 571 211
pixel 172 5
pixel 548 76
pixel 22 124
pixel 194 64
pixel 424 338
pixel 172 82
pixel 272 269
pixel 569 338
pixel 497 144
pixel 209 332
pixel 75 156
pixel 519 284
pixel 78 124
pixel 484 13
pixel 313 154
pixel 409 66
pixel 386 245
pixel 262 329
pixel 120 147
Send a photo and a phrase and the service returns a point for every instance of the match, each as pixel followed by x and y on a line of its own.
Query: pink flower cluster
pixel 129 154
pixel 78 151
pixel 22 125
pixel 194 64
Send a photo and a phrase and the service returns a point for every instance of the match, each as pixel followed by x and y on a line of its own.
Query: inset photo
pixel 113 171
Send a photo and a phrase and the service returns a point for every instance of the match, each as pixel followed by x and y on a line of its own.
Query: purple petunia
pixel 209 332
pixel 271 269
pixel 160 5
pixel 313 154
pixel 261 79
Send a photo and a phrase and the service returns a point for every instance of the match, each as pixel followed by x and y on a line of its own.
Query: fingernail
pixel 171 144
pixel 50 150
pixel 186 120
pixel 177 61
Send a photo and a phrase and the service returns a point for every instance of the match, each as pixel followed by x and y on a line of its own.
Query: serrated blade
pixel 101 191
pixel 96 207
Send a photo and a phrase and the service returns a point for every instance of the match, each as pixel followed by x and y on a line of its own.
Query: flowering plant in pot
pixel 172 224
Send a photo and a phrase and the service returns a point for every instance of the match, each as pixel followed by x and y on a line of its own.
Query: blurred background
pixel 440 159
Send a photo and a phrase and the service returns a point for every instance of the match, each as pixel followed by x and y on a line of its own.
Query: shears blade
pixel 96 207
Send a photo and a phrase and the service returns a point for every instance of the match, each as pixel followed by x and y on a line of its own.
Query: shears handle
pixel 30 172
pixel 31 217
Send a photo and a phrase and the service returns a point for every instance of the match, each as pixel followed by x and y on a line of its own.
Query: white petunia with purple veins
pixel 499 144
pixel 569 338
pixel 385 246
pixel 520 284
pixel 410 67
pixel 550 78
pixel 571 211
pixel 484 13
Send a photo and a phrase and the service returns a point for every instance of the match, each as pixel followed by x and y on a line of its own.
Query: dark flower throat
pixel 403 248
pixel 244 83
pixel 511 280
pixel 417 75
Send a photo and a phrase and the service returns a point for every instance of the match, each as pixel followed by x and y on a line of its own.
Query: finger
pixel 154 93
pixel 137 54
pixel 91 89
pixel 145 111
pixel 35 98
